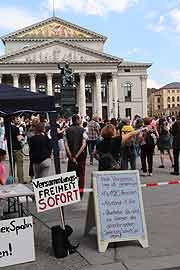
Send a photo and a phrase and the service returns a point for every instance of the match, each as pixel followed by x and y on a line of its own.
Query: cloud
pixel 134 51
pixel 92 7
pixel 175 75
pixel 151 15
pixel 175 17
pixel 13 18
pixel 159 26
pixel 169 22
pixel 153 84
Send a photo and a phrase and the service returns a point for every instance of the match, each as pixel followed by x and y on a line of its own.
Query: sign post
pixel 118 205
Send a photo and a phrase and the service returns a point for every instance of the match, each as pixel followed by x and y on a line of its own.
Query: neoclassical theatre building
pixel 106 85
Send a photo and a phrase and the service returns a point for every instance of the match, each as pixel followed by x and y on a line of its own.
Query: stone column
pixel 98 95
pixel 33 82
pixel 110 100
pixel 82 95
pixel 144 94
pixel 94 110
pixel 115 94
pixel 1 75
pixel 15 80
pixel 49 84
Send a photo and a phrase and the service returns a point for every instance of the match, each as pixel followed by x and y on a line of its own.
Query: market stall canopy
pixel 14 100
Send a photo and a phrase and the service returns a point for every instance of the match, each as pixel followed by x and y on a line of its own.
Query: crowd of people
pixel 116 144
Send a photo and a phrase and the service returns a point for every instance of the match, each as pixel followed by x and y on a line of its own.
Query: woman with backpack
pixel 164 141
pixel 148 141
pixel 108 147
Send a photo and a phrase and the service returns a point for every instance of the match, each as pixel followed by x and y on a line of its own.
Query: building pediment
pixel 57 51
pixel 53 28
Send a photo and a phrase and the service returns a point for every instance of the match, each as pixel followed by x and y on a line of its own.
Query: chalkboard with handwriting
pixel 119 208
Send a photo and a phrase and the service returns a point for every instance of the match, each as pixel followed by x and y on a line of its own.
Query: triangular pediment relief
pixel 57 52
pixel 53 28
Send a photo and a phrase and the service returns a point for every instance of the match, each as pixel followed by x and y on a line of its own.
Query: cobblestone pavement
pixel 162 212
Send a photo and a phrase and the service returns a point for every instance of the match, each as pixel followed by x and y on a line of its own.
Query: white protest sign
pixel 56 191
pixel 119 208
pixel 17 241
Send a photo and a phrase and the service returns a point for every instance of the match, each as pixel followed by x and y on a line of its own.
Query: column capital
pixel 32 75
pixel 143 77
pixel 82 75
pixel 98 75
pixel 114 75
pixel 15 75
pixel 49 74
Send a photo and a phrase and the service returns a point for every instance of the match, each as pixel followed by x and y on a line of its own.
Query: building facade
pixel 165 101
pixel 105 85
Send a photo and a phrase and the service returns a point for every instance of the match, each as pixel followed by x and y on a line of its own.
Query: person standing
pixel 108 147
pixel 93 134
pixel 148 142
pixel 61 127
pixel 40 151
pixel 128 150
pixel 176 145
pixel 75 140
pixel 164 141
pixel 17 138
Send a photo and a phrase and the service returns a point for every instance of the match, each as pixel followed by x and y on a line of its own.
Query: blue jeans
pixel 128 154
pixel 91 146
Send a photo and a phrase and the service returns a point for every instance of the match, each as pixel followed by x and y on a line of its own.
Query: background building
pixel 106 85
pixel 165 101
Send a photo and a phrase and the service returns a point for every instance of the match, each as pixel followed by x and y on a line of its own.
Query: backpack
pixel 107 162
pixel 151 139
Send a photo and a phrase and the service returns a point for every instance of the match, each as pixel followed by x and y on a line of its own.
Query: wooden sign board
pixel 119 208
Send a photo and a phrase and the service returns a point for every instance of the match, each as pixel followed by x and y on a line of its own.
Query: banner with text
pixel 17 241
pixel 56 191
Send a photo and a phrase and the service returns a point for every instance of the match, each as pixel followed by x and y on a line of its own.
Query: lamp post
pixel 118 101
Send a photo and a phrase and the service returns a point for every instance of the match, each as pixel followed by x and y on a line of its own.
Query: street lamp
pixel 118 101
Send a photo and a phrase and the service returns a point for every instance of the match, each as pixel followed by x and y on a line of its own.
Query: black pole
pixel 7 125
pixel 55 146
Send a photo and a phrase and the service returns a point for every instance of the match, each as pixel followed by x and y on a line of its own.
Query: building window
pixel 128 113
pixel 169 106
pixel 127 91
pixel 88 90
pixel 173 99
pixel 173 91
pixel 178 105
pixel 168 99
pixel 127 70
pixel 173 105
pixel 177 98
pixel 158 100
pixel 159 107
pixel 104 91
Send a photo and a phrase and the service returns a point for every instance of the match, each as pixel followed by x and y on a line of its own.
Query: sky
pixel 137 30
